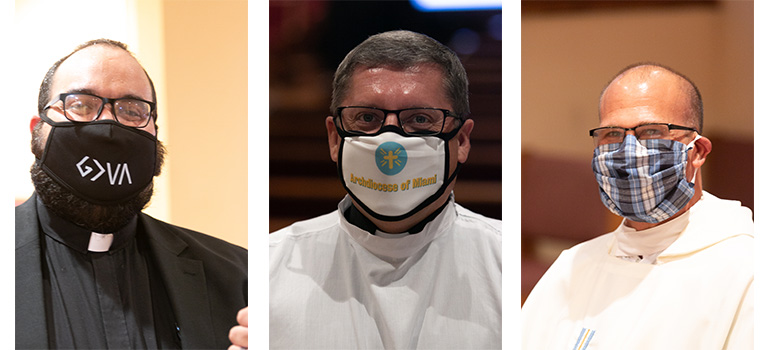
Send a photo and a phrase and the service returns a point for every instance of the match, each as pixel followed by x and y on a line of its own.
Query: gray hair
pixel 402 49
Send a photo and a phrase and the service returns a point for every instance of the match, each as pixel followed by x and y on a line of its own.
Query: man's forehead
pixel 99 54
pixel 655 90
pixel 391 77
pixel 91 68
pixel 412 69
pixel 418 85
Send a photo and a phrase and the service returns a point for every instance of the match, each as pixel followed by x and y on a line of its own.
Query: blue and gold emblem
pixel 390 158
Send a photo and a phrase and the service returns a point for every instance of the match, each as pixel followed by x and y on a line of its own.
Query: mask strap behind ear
pixel 692 143
pixel 690 146
pixel 695 173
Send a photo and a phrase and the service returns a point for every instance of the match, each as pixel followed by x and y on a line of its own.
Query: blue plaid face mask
pixel 643 180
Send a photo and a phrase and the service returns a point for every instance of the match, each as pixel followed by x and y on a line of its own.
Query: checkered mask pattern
pixel 643 180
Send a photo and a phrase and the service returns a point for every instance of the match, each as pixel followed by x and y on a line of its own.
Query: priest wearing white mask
pixel 399 265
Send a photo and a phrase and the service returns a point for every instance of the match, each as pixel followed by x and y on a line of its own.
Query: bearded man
pixel 92 270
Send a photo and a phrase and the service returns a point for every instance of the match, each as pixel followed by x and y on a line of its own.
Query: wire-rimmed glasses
pixel 653 131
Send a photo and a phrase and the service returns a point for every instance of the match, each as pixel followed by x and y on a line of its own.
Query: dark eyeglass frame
pixel 625 130
pixel 111 101
pixel 447 113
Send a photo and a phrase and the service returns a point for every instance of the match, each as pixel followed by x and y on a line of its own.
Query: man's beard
pixel 67 205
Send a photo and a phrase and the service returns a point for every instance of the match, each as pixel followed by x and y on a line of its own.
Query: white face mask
pixel 393 176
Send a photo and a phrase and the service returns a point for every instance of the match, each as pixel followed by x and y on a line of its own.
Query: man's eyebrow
pixel 91 92
pixel 80 91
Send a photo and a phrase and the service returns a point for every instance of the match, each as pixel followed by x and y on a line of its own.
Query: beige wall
pixel 568 57
pixel 207 108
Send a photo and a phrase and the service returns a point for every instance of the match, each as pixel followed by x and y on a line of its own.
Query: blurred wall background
pixel 570 51
pixel 196 54
pixel 308 39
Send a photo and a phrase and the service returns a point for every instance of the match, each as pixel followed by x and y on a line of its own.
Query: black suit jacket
pixel 205 278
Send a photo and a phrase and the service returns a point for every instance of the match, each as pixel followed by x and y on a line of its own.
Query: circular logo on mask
pixel 390 158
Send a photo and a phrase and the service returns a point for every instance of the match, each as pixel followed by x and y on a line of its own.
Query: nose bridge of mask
pixel 632 141
pixel 630 144
pixel 391 128
pixel 641 148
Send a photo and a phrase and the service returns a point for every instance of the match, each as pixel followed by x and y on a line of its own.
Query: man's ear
pixel 464 141
pixel 33 122
pixel 334 138
pixel 701 149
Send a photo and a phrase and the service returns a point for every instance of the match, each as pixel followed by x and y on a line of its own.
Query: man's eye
pixel 132 110
pixel 80 108
pixel 650 133
pixel 366 117
pixel 420 119
pixel 133 113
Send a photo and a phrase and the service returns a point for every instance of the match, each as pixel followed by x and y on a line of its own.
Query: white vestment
pixel 335 286
pixel 697 294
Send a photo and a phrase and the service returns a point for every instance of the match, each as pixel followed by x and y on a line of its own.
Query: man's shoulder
pixel 170 236
pixel 304 229
pixel 711 207
pixel 26 222
pixel 588 251
pixel 478 221
pixel 714 221
pixel 26 211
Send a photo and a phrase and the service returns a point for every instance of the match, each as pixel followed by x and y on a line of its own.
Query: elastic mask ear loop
pixel 690 146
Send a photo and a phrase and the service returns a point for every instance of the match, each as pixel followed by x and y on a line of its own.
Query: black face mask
pixel 103 162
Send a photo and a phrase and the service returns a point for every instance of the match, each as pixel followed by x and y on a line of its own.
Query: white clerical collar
pixel 379 233
pixel 645 245
pixel 100 242
pixel 395 247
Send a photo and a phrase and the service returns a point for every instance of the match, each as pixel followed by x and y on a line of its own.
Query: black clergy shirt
pixel 103 300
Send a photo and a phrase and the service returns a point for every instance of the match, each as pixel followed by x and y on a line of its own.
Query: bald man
pixel 678 271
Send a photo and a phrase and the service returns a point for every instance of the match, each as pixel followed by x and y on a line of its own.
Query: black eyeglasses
pixel 414 121
pixel 652 131
pixel 83 107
